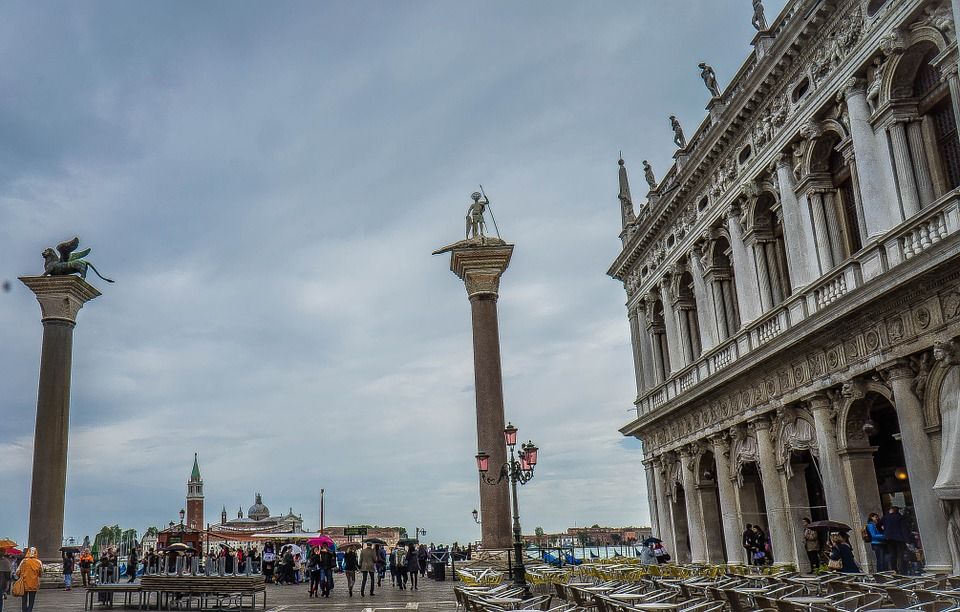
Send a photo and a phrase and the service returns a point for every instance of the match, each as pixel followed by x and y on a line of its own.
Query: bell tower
pixel 195 497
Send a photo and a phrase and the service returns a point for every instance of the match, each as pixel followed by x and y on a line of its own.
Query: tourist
pixel 401 567
pixel 381 563
pixel 368 565
pixel 660 552
pixel 29 572
pixel 877 541
pixel 68 565
pixel 841 551
pixel 759 546
pixel 351 564
pixel 86 562
pixel 895 536
pixel 6 572
pixel 268 563
pixel 313 566
pixel 746 541
pixel 328 563
pixel 132 562
pixel 422 557
pixel 413 566
pixel 394 573
pixel 811 542
pixel 646 555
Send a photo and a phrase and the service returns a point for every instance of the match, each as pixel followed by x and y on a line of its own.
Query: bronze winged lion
pixel 68 262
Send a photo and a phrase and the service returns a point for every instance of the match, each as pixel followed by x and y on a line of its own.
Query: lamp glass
pixel 531 453
pixel 483 462
pixel 510 434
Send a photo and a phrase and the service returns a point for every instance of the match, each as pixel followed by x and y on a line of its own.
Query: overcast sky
pixel 266 182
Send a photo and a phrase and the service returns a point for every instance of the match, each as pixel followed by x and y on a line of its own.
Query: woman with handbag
pixel 841 556
pixel 28 580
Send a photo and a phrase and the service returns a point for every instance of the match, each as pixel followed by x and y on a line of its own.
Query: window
pixel 800 90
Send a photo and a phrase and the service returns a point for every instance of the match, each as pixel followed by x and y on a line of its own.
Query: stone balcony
pixel 812 307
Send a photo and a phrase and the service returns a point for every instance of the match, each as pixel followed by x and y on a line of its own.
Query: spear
pixel 492 218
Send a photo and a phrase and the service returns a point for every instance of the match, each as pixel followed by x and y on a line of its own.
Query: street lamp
pixel 418 532
pixel 182 514
pixel 517 472
pixel 476 516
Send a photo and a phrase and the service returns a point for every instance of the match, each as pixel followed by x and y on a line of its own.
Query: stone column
pixel 881 211
pixel 652 496
pixel 705 308
pixel 695 528
pixel 636 337
pixel 820 230
pixel 670 323
pixel 746 278
pixel 833 227
pixel 797 234
pixel 729 515
pixel 921 468
pixel 773 495
pixel 646 350
pixel 919 155
pixel 61 298
pixel 663 504
pixel 685 334
pixel 909 197
pixel 763 276
pixel 480 263
pixel 831 473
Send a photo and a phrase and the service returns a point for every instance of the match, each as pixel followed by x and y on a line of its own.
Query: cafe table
pixel 808 601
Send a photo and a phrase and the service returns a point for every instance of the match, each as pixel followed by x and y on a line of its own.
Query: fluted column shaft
pixel 763 276
pixel 652 495
pixel 695 526
pixel 677 361
pixel 637 341
pixel 920 164
pixel 778 518
pixel 729 515
pixel 834 484
pixel 663 504
pixel 797 235
pixel 743 271
pixel 705 307
pixel 909 196
pixel 821 230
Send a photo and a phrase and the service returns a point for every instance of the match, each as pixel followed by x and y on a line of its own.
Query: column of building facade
pixel 685 310
pixel 663 503
pixel 763 276
pixel 881 211
pixel 637 334
pixel 695 526
pixel 743 270
pixel 705 305
pixel 850 159
pixel 909 196
pixel 921 467
pixel 831 473
pixel 729 513
pixel 655 337
pixel 833 226
pixel 797 235
pixel 677 361
pixel 951 75
pixel 921 165
pixel 773 495
pixel 652 495
pixel 820 230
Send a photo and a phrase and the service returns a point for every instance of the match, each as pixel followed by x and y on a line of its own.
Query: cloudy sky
pixel 266 182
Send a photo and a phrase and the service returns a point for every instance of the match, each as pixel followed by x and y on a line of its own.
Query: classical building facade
pixel 793 289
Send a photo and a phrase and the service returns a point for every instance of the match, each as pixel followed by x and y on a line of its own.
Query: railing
pixel 916 235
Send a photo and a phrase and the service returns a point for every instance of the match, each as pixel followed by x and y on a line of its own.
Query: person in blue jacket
pixel 878 542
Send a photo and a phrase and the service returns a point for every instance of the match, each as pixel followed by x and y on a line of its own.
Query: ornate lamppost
pixel 516 472
pixel 419 532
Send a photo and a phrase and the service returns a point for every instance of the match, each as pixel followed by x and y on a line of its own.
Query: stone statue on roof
pixel 678 138
pixel 759 21
pixel 648 174
pixel 709 78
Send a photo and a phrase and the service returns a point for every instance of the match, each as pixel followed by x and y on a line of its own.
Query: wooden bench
pixel 208 592
pixel 128 590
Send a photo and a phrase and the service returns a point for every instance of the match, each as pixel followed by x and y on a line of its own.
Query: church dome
pixel 258 511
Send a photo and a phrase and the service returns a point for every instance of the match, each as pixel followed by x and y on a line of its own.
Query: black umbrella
pixel 828 526
pixel 179 548
pixel 70 549
pixel 407 541
pixel 651 540
pixel 374 541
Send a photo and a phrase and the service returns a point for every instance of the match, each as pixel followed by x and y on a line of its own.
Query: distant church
pixel 258 518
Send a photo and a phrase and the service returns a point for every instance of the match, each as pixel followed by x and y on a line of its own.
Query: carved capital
pixel 819 401
pixel 480 266
pixel 721 443
pixel 898 370
pixel 60 297
pixel 947 352
pixel 759 423
pixel 855 86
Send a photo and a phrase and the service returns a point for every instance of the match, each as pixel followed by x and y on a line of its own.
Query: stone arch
pixel 765 193
pixel 827 134
pixel 902 69
pixel 847 427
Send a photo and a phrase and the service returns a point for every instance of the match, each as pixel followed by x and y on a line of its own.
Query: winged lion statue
pixel 65 261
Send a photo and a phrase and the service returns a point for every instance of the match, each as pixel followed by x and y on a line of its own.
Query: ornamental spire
pixel 195 474
pixel 626 202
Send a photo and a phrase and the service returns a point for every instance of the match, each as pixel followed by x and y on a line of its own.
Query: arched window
pixel 718 272
pixel 835 206
pixel 658 339
pixel 939 125
pixel 685 305
pixel 770 251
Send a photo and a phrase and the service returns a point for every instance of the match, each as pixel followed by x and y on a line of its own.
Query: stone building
pixel 793 290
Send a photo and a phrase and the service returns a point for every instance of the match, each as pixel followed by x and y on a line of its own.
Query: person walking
pixel 86 562
pixel 811 542
pixel 368 565
pixel 878 541
pixel 6 573
pixel 895 536
pixel 132 563
pixel 422 557
pixel 381 563
pixel 313 566
pixel 413 566
pixel 328 563
pixel 351 564
pixel 29 571
pixel 68 565
pixel 394 573
pixel 746 541
pixel 842 552
pixel 758 543
pixel 401 567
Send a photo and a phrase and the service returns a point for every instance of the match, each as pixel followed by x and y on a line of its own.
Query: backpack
pixel 865 535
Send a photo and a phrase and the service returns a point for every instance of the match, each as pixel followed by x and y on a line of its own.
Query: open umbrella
pixel 320 541
pixel 179 547
pixel 407 541
pixel 70 549
pixel 651 540
pixel 294 549
pixel 375 541
pixel 828 526
pixel 7 543
pixel 349 545
pixel 13 552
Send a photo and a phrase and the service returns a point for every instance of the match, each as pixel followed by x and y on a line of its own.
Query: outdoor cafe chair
pixel 937 605
pixel 857 603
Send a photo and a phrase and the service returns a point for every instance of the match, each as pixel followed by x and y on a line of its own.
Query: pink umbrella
pixel 320 541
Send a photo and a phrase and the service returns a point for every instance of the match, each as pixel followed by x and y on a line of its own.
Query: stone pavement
pixel 432 596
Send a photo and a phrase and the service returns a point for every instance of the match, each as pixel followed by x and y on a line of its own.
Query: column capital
pixel 818 401
pixel 720 442
pixel 60 297
pixel 855 86
pixel 898 369
pixel 947 352
pixel 759 423
pixel 479 263
pixel 784 160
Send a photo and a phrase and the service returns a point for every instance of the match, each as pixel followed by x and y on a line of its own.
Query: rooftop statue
pixel 68 262
pixel 759 21
pixel 648 174
pixel 709 79
pixel 678 138
pixel 475 223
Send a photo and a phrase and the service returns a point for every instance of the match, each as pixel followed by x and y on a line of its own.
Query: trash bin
pixel 439 571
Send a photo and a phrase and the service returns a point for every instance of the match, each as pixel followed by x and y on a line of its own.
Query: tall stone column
pixel 636 340
pixel 652 496
pixel 919 156
pixel 831 472
pixel 695 528
pixel 705 307
pixel 797 235
pixel 480 263
pixel 763 276
pixel 820 230
pixel 746 278
pixel 921 468
pixel 646 350
pixel 677 361
pixel 729 515
pixel 663 504
pixel 778 518
pixel 61 298
pixel 881 211
pixel 909 196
